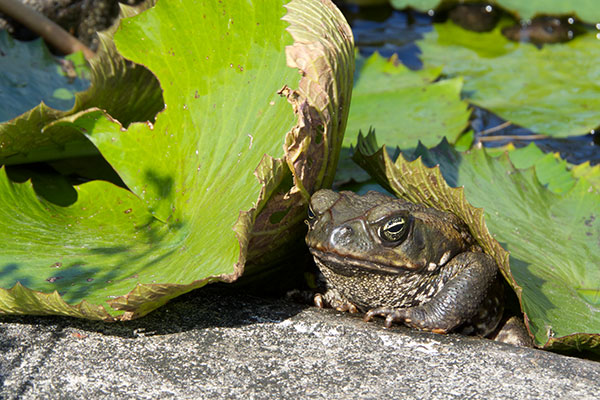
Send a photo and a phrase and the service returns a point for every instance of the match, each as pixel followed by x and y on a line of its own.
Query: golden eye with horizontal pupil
pixel 394 229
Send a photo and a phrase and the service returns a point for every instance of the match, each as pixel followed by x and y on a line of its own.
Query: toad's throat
pixel 350 266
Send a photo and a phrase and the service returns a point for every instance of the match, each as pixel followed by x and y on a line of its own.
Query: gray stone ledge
pixel 213 344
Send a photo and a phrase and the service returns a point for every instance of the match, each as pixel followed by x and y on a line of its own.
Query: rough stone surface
pixel 215 344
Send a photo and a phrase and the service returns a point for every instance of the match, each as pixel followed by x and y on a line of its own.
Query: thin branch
pixel 496 128
pixel 512 137
pixel 51 32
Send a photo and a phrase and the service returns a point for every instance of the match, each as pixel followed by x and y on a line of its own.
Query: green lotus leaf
pixel 31 74
pixel 551 170
pixel 589 172
pixel 584 10
pixel 403 106
pixel 325 57
pixel 552 238
pixel 199 175
pixel 550 90
pixel 127 91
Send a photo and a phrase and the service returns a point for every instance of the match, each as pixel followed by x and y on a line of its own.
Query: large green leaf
pixel 405 106
pixel 584 10
pixel 193 173
pixel 87 251
pixel 552 90
pixel 30 74
pixel 126 91
pixel 552 238
pixel 551 170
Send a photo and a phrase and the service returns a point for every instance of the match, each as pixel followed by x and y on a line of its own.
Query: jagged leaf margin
pixel 321 48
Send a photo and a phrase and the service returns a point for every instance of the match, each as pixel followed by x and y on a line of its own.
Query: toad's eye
pixel 311 213
pixel 394 229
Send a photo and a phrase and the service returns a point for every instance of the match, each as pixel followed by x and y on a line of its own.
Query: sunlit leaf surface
pixel 30 74
pixel 115 253
pixel 403 106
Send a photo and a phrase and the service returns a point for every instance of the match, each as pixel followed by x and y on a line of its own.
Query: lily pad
pixel 551 170
pixel 546 90
pixel 127 91
pixel 552 238
pixel 403 106
pixel 199 175
pixel 31 74
pixel 590 172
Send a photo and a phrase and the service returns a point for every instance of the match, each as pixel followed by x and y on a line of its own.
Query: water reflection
pixel 390 31
pixel 493 131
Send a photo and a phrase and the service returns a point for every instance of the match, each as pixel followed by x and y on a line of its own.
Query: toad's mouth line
pixel 345 265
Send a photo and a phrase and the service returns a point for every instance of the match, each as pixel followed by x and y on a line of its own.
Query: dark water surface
pixel 390 31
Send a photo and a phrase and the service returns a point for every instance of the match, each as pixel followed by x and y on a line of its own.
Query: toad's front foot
pixel 332 299
pixel 391 315
pixel 406 316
